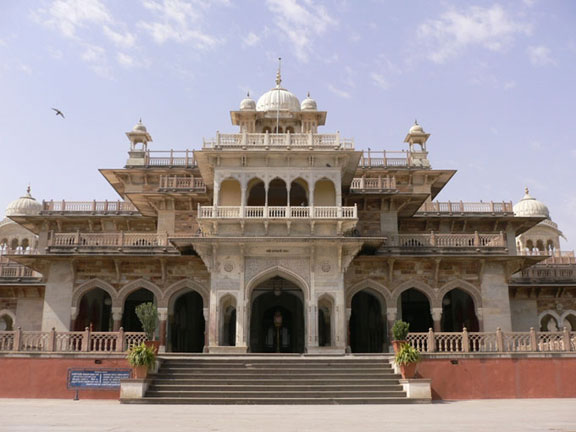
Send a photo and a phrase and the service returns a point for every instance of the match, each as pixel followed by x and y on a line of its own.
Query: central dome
pixel 278 99
pixel 529 206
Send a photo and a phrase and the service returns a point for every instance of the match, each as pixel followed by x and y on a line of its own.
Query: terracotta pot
pixel 397 344
pixel 408 370
pixel 154 344
pixel 139 372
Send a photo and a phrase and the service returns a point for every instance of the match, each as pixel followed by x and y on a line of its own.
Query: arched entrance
pixel 277 317
pixel 95 311
pixel 6 323
pixel 130 320
pixel 187 323
pixel 366 324
pixel 458 312
pixel 415 309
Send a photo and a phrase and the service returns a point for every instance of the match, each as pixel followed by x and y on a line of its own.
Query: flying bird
pixel 58 112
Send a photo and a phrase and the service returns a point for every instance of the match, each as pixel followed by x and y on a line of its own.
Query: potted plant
pixel 400 333
pixel 142 358
pixel 147 313
pixel 407 358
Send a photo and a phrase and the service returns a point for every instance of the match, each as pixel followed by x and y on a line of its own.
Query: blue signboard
pixel 96 379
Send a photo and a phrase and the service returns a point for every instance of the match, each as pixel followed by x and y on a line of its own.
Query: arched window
pixel 230 193
pixel 458 312
pixel 299 192
pixel 324 193
pixel 548 323
pixel 130 320
pixel 416 310
pixel 277 193
pixel 256 193
pixel 540 245
pixel 95 311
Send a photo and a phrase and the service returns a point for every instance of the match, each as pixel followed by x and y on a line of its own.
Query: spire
pixel 526 191
pixel 279 73
pixel 28 190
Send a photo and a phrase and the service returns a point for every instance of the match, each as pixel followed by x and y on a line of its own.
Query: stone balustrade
pixel 384 159
pixel 443 240
pixel 76 341
pixel 284 141
pixel 107 240
pixel 459 207
pixel 554 256
pixel 182 183
pixel 549 273
pixel 282 212
pixel 88 207
pixel 490 342
pixel 170 158
pixel 368 184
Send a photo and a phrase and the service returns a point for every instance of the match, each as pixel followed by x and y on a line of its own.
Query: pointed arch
pixel 11 315
pixel 278 271
pixel 180 287
pixel 130 287
pixel 382 293
pixel 467 287
pixel 82 289
pixel 565 314
pixel 418 284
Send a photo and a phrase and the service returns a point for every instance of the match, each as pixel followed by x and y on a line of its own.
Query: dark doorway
pixel 273 301
pixel 458 312
pixel 187 324
pixel 416 310
pixel 366 324
pixel 130 321
pixel 95 311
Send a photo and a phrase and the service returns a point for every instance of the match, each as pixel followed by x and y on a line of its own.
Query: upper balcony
pixel 170 159
pixel 181 184
pixel 11 272
pixel 373 185
pixel 108 242
pixel 281 212
pixel 460 208
pixel 284 141
pixel 88 207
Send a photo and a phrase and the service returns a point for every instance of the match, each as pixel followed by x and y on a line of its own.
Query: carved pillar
pixel 348 315
pixel 73 316
pixel 162 317
pixel 312 339
pixel 391 316
pixel 437 318
pixel 206 329
pixel 116 318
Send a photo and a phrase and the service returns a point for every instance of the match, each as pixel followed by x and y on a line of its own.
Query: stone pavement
pixel 39 415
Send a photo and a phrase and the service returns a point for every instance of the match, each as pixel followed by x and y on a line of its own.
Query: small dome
pixel 529 206
pixel 24 206
pixel 139 127
pixel 309 104
pixel 248 104
pixel 416 128
pixel 278 99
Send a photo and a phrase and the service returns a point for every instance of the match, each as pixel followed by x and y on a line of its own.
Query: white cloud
pixel 300 22
pixel 509 85
pixel 540 55
pixel 339 92
pixel 380 80
pixel 125 60
pixel 97 59
pixel 180 21
pixel 68 15
pixel 121 39
pixel 250 40
pixel 489 27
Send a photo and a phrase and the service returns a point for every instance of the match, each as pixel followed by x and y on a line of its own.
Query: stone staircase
pixel 275 379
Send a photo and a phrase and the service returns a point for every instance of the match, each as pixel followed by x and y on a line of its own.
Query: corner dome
pixel 416 128
pixel 309 104
pixel 24 206
pixel 529 206
pixel 139 127
pixel 248 104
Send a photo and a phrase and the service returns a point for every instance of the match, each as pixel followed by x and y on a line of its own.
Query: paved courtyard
pixel 551 415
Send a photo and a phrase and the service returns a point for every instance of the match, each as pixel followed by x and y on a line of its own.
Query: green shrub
pixel 141 355
pixel 407 354
pixel 147 313
pixel 400 330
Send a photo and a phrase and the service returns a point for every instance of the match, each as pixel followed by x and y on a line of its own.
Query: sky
pixel 493 82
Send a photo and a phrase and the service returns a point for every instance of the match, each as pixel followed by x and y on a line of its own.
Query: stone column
pixel 391 314
pixel 206 329
pixel 58 297
pixel 340 320
pixel 495 299
pixel 162 317
pixel 348 314
pixel 312 327
pixel 116 318
pixel 73 316
pixel 436 318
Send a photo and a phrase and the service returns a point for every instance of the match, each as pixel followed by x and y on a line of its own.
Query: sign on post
pixel 96 379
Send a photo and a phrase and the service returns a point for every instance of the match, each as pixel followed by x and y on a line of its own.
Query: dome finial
pixel 28 189
pixel 308 95
pixel 279 73
pixel 526 191
pixel 416 122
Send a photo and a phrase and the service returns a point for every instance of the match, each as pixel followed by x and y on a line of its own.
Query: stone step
pixel 274 370
pixel 276 381
pixel 228 376
pixel 276 401
pixel 276 395
pixel 272 388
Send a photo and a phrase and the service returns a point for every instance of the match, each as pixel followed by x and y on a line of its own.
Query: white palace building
pixel 281 223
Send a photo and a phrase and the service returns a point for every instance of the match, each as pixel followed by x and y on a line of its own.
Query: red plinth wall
pixel 47 377
pixel 500 378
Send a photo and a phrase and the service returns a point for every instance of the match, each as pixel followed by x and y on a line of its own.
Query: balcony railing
pixel 78 341
pixel 451 208
pixel 265 141
pixel 107 240
pixel 367 184
pixel 88 207
pixel 554 256
pixel 170 158
pixel 267 212
pixel 383 159
pixel 436 240
pixel 180 183
pixel 550 273
pixel 498 341
pixel 11 270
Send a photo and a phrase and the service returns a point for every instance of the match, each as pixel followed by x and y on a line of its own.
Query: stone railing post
pixel 465 340
pixel 533 340
pixel 499 340
pixel 566 339
pixel 432 239
pixel 17 339
pixel 86 340
pixel 52 340
pixel 476 239
pixel 120 340
pixel 431 341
